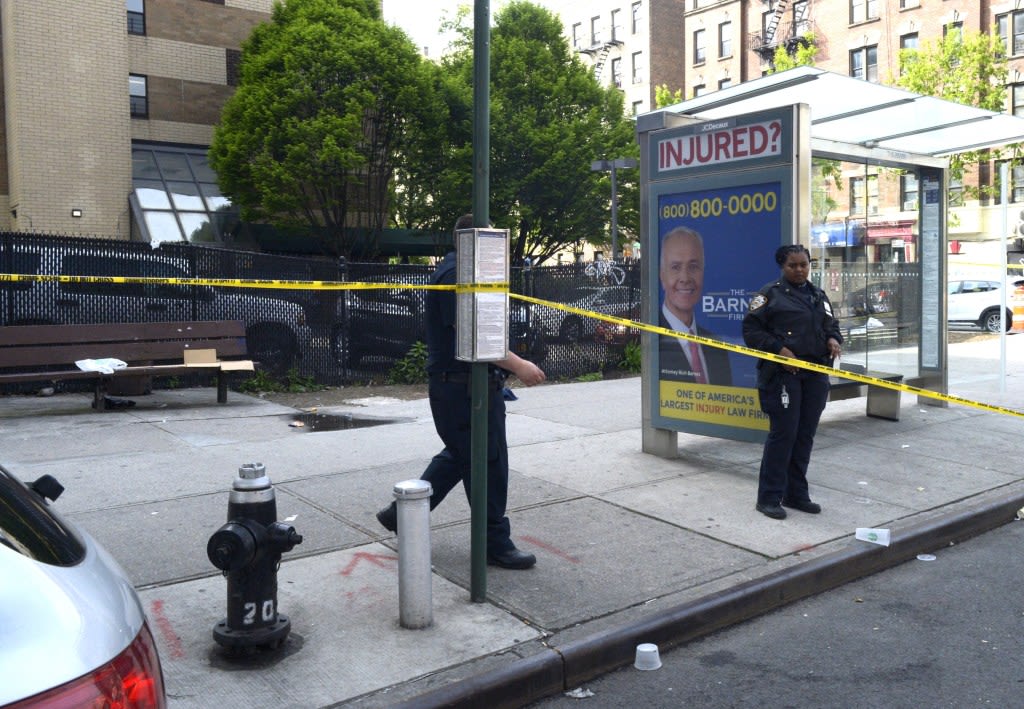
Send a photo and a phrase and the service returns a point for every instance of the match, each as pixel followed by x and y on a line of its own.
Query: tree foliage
pixel 549 120
pixel 664 96
pixel 317 126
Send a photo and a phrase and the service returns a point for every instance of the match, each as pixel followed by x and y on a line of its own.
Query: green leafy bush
pixel 411 369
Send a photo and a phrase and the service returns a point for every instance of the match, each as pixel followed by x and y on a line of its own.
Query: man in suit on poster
pixel 681 273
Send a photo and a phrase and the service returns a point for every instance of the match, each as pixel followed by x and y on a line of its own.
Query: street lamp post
pixel 612 166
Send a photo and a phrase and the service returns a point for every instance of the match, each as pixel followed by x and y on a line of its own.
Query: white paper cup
pixel 875 536
pixel 647 657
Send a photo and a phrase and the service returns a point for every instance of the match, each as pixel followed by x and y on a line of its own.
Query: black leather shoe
pixel 388 517
pixel 774 511
pixel 512 559
pixel 803 505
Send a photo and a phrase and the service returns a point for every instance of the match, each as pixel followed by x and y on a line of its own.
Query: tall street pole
pixel 481 218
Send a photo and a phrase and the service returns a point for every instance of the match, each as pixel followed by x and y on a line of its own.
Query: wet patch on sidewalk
pixel 314 422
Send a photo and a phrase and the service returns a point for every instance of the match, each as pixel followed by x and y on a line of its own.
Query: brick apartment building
pixel 701 46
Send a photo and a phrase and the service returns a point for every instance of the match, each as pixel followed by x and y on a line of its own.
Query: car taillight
pixel 132 680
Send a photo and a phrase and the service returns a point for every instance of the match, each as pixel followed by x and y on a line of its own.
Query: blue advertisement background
pixel 739 249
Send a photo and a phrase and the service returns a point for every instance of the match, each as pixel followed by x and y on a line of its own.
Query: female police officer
pixel 793 318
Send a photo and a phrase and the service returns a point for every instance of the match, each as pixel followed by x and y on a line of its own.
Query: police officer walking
pixel 791 317
pixel 450 406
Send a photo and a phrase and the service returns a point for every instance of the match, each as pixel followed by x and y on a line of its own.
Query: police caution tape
pixel 250 283
pixel 823 369
pixel 492 287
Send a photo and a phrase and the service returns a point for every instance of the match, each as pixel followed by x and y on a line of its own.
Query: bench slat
pixel 16 335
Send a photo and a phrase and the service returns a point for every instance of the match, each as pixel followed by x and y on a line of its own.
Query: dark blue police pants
pixel 450 405
pixel 787 450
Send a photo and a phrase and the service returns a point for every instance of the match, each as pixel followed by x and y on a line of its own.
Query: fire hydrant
pixel 248 550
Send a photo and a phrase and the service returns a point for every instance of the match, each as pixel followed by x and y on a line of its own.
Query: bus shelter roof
pixel 855 117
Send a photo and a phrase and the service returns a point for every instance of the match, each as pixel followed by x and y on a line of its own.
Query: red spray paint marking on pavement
pixel 551 550
pixel 375 559
pixel 171 639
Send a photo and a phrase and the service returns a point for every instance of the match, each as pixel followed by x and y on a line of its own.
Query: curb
pixel 560 668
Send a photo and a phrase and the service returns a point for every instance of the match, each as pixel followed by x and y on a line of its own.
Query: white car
pixel 977 301
pixel 72 628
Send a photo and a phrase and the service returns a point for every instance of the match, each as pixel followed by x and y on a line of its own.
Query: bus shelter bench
pixel 882 402
pixel 47 353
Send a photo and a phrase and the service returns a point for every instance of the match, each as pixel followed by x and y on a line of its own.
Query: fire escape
pixel 598 53
pixel 776 32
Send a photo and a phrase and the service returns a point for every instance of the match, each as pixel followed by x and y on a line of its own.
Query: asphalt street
pixel 941 632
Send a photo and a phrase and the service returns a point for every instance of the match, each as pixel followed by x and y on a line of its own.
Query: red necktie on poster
pixel 695 363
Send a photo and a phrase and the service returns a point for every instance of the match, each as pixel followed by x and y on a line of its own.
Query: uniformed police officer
pixel 791 317
pixel 450 406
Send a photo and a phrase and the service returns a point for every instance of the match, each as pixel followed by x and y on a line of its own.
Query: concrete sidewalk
pixel 630 548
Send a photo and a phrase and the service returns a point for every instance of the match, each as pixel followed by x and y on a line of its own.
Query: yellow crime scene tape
pixel 824 369
pixel 490 287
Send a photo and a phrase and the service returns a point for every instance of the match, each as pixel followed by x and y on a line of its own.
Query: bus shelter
pixel 855 171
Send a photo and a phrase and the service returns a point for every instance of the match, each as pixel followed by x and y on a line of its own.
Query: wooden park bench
pixel 47 353
pixel 882 402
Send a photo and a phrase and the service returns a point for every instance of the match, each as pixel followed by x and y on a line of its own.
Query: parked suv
pixel 276 330
pixel 978 301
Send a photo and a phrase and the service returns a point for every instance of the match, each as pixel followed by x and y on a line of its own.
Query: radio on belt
pixel 482 315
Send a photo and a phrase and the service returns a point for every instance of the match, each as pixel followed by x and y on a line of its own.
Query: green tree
pixel 964 67
pixel 549 120
pixel 806 54
pixel 664 96
pixel 317 126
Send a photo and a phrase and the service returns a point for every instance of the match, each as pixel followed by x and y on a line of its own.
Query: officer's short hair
pixel 783 252
pixel 463 222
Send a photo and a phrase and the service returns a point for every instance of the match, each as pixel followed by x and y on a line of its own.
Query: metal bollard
pixel 415 601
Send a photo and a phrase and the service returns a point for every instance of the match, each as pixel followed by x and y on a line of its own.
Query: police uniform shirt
pixel 800 318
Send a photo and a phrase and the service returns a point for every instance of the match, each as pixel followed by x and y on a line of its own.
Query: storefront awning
pixel 848 111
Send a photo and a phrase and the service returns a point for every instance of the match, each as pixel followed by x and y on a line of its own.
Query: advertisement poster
pixel 716 249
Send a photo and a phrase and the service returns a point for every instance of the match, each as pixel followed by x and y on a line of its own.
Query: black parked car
pixel 385 324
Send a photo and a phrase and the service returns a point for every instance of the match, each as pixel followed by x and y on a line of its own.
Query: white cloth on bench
pixel 105 365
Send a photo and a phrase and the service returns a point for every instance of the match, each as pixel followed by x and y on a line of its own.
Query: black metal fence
pixel 333 336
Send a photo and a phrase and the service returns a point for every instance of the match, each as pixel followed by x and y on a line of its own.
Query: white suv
pixel 977 301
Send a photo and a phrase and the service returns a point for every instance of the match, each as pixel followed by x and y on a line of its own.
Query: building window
pixel 595 31
pixel 956 192
pixel 863 10
pixel 1017 100
pixel 616 25
pixel 699 48
pixel 1015 188
pixel 907 4
pixel 699 90
pixel 137 96
pixel 175 196
pixel 908 192
pixel 864 63
pixel 864 195
pixel 577 39
pixel 724 84
pixel 637 107
pixel 635 17
pixel 908 43
pixel 954 28
pixel 1014 44
pixel 136 16
pixel 801 19
pixel 617 72
pixel 725 40
pixel 638 66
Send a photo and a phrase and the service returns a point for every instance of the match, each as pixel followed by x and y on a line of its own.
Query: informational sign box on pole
pixel 721 197
pixel 482 310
